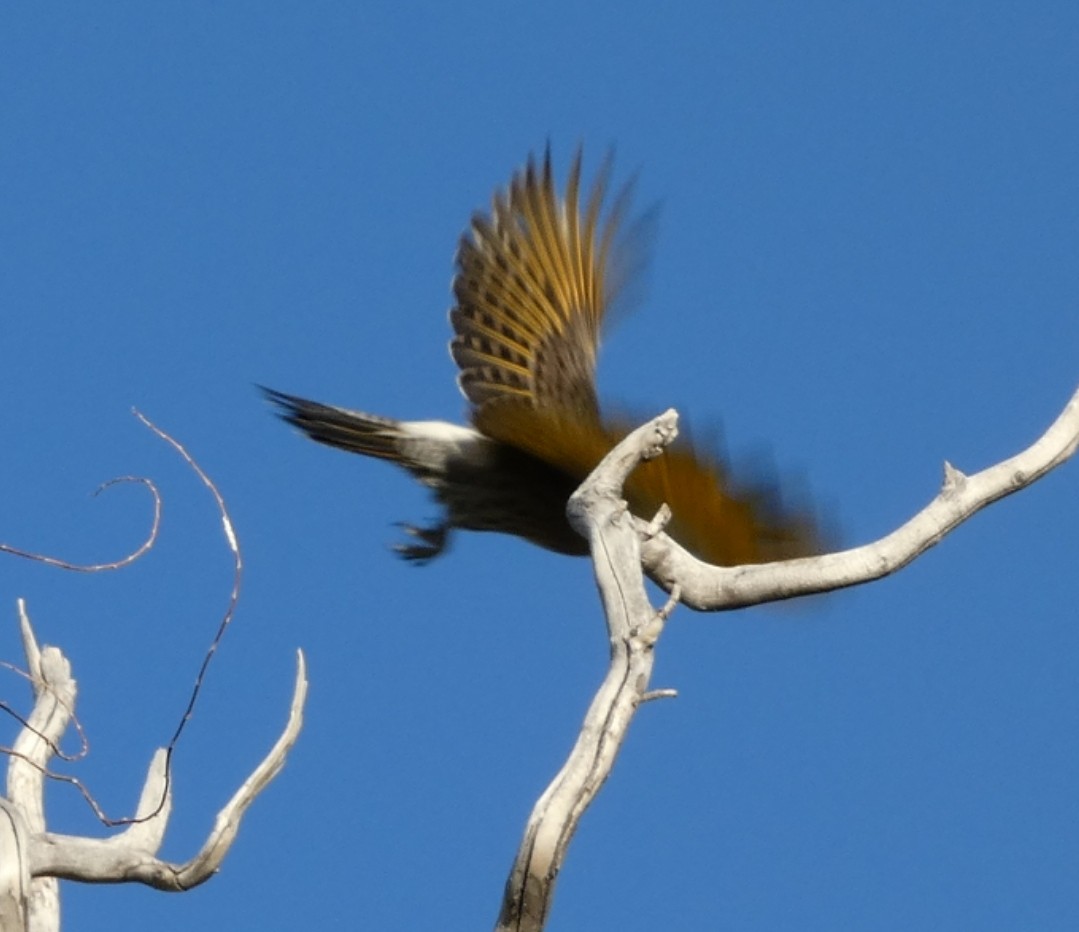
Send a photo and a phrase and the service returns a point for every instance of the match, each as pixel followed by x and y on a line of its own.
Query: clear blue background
pixel 866 264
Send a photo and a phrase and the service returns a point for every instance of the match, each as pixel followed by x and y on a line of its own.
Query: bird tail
pixel 339 427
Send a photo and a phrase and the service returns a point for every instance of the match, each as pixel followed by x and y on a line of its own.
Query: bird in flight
pixel 535 278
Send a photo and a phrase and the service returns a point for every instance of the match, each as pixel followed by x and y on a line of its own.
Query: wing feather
pixel 722 519
pixel 535 279
pixel 531 294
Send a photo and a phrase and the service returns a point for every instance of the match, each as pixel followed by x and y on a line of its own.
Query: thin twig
pixel 226 619
pixel 143 548
pixel 230 609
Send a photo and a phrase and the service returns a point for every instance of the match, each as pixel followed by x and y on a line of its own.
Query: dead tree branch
pixel 714 588
pixel 141 550
pixel 130 856
pixel 622 545
pixel 633 625
pixel 32 860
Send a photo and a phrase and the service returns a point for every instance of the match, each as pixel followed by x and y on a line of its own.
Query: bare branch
pixel 230 609
pixel 145 546
pixel 131 857
pixel 621 544
pixel 14 867
pixel 54 692
pixel 712 588
pixel 33 654
pixel 33 860
pixel 633 626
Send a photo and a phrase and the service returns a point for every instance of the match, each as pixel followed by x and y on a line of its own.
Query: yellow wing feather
pixel 534 282
pixel 530 293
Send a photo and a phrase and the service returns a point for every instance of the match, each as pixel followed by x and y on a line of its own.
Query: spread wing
pixel 534 280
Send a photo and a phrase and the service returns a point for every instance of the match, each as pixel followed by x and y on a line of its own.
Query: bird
pixel 536 278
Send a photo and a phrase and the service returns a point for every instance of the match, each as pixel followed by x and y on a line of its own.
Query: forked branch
pixel 633 625
pixel 130 856
pixel 714 588
pixel 622 545
pixel 32 860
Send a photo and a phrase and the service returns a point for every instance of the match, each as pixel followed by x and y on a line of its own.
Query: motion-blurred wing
pixel 720 517
pixel 534 280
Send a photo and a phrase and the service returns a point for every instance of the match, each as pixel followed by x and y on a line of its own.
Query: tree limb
pixel 622 545
pixel 54 694
pixel 131 856
pixel 32 859
pixel 715 588
pixel 633 625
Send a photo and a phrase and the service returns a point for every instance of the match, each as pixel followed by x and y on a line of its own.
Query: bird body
pixel 535 279
pixel 484 485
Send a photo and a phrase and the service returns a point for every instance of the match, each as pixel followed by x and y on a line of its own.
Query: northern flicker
pixel 534 280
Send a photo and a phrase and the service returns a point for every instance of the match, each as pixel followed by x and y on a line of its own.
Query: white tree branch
pixel 54 695
pixel 131 856
pixel 31 859
pixel 712 588
pixel 633 625
pixel 622 545
pixel 14 867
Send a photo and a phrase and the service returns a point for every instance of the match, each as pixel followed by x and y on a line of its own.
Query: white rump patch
pixel 441 432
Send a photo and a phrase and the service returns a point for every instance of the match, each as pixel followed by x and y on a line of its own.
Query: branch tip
pixel 953 478
pixel 653 694
pixel 659 522
pixel 672 601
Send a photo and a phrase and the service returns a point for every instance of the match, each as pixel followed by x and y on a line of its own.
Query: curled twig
pixel 230 609
pixel 143 548
pixel 226 619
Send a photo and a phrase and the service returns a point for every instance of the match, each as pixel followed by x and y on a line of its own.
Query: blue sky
pixel 866 263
